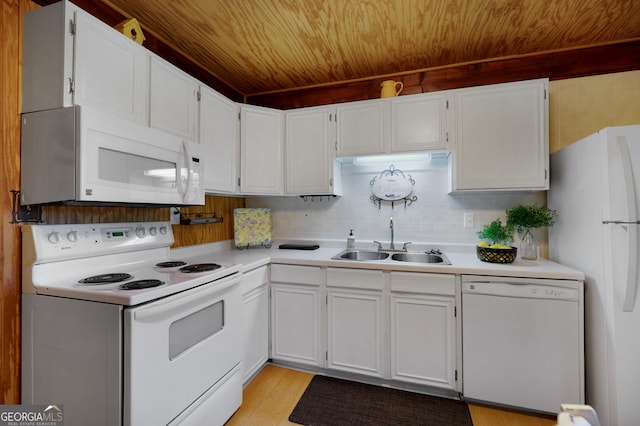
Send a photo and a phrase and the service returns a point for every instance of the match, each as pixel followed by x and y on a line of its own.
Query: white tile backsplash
pixel 436 216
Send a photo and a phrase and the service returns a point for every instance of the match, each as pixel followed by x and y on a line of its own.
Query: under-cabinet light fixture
pixel 391 158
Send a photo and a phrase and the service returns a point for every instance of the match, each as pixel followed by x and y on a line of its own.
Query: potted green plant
pixel 495 248
pixel 524 218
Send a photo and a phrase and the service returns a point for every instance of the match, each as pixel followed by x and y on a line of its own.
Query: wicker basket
pixel 496 255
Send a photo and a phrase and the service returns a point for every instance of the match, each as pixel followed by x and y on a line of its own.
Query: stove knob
pixel 72 236
pixel 163 230
pixel 140 232
pixel 54 237
pixel 153 230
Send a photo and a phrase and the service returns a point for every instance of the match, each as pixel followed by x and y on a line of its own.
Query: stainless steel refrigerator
pixel 595 187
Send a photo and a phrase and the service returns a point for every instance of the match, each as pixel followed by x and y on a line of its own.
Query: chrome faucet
pixel 392 245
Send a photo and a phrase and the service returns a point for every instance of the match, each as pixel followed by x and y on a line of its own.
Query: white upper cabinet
pixel 393 125
pixel 418 122
pixel 261 150
pixel 363 127
pixel 219 136
pixel 173 99
pixel 502 140
pixel 70 58
pixel 312 168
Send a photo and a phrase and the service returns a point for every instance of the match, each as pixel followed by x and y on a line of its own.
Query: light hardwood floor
pixel 272 395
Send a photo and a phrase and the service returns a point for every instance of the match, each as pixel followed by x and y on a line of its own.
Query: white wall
pixel 436 216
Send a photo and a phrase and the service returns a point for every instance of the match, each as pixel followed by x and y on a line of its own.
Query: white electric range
pixel 118 332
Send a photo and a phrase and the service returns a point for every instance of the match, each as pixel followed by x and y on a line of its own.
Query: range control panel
pixel 70 241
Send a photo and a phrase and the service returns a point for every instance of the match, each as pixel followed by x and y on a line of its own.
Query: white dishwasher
pixel 523 342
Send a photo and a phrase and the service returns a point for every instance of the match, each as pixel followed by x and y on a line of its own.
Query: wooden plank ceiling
pixel 255 47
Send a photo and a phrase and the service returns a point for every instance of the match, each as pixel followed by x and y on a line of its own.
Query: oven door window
pixel 194 328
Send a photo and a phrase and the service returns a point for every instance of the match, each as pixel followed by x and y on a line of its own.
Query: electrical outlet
pixel 174 214
pixel 468 220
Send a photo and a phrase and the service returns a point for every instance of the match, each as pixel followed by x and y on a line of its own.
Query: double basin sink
pixel 433 256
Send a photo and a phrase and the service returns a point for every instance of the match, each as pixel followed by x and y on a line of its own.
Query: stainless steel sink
pixel 421 258
pixel 361 255
pixel 371 255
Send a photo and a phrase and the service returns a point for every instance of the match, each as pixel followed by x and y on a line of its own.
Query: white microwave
pixel 81 156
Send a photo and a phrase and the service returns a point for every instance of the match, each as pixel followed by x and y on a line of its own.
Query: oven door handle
pixel 180 304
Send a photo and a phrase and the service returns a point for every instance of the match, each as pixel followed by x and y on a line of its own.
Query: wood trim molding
pixel 556 65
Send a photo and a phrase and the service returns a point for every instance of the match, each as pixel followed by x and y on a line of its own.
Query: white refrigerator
pixel 595 187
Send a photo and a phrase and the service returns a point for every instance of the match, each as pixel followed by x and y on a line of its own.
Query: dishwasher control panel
pixel 522 287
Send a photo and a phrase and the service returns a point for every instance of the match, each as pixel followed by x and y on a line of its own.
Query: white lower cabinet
pixel 296 314
pixel 255 303
pixel 423 329
pixel 399 327
pixel 356 321
pixel 355 331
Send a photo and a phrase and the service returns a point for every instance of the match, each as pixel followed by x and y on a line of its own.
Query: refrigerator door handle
pixel 627 176
pixel 630 282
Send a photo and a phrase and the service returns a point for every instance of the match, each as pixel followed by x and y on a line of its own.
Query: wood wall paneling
pixel 187 235
pixel 11 12
pixel 184 234
pixel 558 65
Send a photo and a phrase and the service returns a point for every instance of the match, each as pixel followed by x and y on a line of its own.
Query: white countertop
pixel 463 260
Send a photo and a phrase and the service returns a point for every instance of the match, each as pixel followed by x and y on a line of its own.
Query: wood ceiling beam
pixel 558 65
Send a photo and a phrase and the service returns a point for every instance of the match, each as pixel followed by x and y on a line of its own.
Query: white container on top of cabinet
pixel 312 168
pixel 502 137
pixel 72 58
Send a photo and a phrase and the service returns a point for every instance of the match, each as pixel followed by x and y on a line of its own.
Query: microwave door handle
pixel 188 164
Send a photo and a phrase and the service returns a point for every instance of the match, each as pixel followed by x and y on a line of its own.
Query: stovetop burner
pixel 141 284
pixel 200 267
pixel 171 264
pixel 105 278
